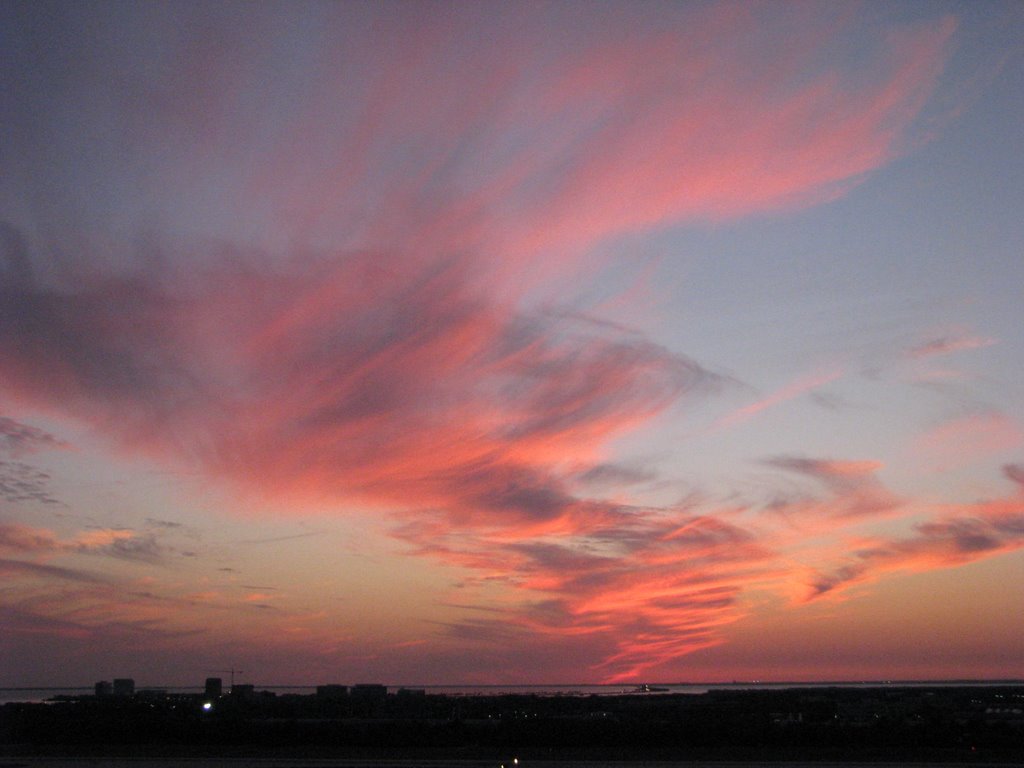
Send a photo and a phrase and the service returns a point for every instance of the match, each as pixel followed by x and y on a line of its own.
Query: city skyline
pixel 511 343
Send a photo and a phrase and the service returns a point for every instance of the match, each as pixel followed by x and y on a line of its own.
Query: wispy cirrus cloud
pixel 632 121
pixel 427 181
pixel 381 380
pixel 1015 472
pixel 22 569
pixel 370 377
pixel 802 386
pixel 855 490
pixel 965 440
pixel 961 533
pixel 944 543
pixel 653 162
pixel 17 439
pixel 24 483
pixel 21 482
pixel 947 344
pixel 642 587
pixel 120 543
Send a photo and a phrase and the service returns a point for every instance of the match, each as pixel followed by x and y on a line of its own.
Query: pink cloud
pixel 370 377
pixel 733 141
pixel 645 588
pixel 965 441
pixel 944 543
pixel 855 491
pixel 413 132
pixel 400 384
pixel 431 179
pixel 958 534
pixel 397 384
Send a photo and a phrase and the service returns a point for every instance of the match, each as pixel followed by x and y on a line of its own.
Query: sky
pixel 467 343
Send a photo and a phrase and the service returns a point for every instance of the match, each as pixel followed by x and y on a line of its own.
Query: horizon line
pixel 719 683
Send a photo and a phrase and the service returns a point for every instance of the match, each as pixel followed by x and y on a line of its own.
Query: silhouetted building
pixel 103 688
pixel 331 692
pixel 124 686
pixel 243 691
pixel 368 700
pixel 369 692
pixel 916 725
pixel 214 687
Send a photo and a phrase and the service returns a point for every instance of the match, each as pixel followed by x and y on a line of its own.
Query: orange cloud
pixel 943 544
pixel 101 538
pixel 15 537
pixel 963 533
pixel 645 588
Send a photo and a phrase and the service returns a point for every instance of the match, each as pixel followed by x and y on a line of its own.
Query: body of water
pixel 8 695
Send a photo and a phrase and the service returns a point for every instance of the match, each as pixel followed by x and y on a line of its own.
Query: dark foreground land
pixel 974 725
pixel 228 762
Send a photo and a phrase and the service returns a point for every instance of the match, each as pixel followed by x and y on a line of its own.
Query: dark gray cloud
pixel 23 483
pixel 23 568
pixel 17 439
pixel 95 346
pixel 615 476
pixel 840 577
pixel 563 560
pixel 1015 472
pixel 141 548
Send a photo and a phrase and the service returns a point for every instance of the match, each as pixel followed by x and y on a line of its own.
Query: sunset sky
pixel 511 342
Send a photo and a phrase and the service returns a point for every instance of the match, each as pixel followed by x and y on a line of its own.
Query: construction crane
pixel 232 672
